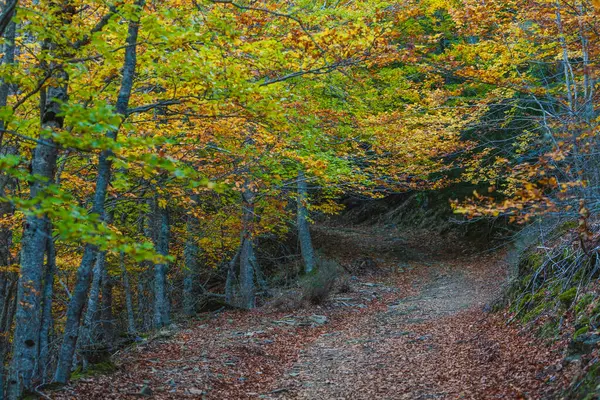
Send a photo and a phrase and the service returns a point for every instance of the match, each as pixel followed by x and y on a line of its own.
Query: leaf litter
pixel 417 332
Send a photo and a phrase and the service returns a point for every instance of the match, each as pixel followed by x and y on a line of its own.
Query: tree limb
pixel 274 13
pixel 7 15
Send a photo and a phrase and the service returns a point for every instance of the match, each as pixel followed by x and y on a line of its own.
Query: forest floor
pixel 415 325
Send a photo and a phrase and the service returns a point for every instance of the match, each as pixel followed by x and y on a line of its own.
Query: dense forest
pixel 164 163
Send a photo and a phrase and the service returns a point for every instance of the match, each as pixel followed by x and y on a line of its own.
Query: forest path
pixel 413 326
pixel 436 344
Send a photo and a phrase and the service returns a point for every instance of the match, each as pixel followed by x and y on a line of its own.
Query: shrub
pixel 318 285
pixel 568 296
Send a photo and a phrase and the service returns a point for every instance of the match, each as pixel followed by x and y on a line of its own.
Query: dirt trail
pixel 436 344
pixel 414 326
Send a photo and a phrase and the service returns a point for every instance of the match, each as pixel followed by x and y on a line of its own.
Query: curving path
pixel 414 326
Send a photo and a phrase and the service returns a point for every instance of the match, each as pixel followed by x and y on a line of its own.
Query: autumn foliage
pixel 148 149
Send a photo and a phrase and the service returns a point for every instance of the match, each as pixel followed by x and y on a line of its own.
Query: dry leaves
pixel 420 333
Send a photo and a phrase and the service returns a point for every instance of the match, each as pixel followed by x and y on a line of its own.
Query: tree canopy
pixel 158 143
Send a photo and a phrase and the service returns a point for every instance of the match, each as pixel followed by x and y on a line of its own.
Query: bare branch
pixel 148 107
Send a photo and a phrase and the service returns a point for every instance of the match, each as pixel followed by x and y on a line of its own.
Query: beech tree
pixel 149 150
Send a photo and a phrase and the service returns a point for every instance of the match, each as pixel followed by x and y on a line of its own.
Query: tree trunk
pixel 231 282
pixel 6 209
pixel 144 309
pixel 128 297
pixel 306 247
pixel 161 301
pixel 247 291
pixel 47 321
pixel 260 277
pixel 8 11
pixel 24 363
pixel 78 299
pixel 89 329
pixel 191 254
pixel 9 58
pixel 106 312
pixel 8 313
pixel 146 277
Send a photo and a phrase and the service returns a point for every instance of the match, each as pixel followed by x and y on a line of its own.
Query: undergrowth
pixel 555 291
pixel 319 284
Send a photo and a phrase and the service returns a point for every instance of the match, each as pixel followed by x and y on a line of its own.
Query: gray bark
pixel 8 313
pixel 161 301
pixel 28 317
pixel 7 14
pixel 46 324
pixel 306 247
pixel 7 280
pixel 145 290
pixel 106 314
pixel 89 329
pixel 9 58
pixel 191 255
pixel 128 297
pixel 260 277
pixel 247 290
pixel 78 299
pixel 6 181
pixel 231 281
pixel 144 309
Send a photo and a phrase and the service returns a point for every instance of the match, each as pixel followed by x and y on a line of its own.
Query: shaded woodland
pixel 161 162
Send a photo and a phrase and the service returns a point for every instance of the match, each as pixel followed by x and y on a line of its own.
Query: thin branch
pixel 148 107
pixel 112 10
pixel 277 14
pixel 316 71
pixel 38 87
pixel 7 15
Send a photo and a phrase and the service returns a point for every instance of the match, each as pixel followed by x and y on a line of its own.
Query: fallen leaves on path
pixel 236 355
pixel 414 332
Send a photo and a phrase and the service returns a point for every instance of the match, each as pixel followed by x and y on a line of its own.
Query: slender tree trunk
pixel 260 277
pixel 8 313
pixel 3 335
pixel 191 255
pixel 8 11
pixel 306 247
pixel 189 300
pixel 25 359
pixel 78 299
pixel 91 313
pixel 89 330
pixel 144 309
pixel 146 277
pixel 47 320
pixel 247 290
pixel 6 208
pixel 128 297
pixel 231 281
pixel 106 312
pixel 161 301
pixel 9 58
